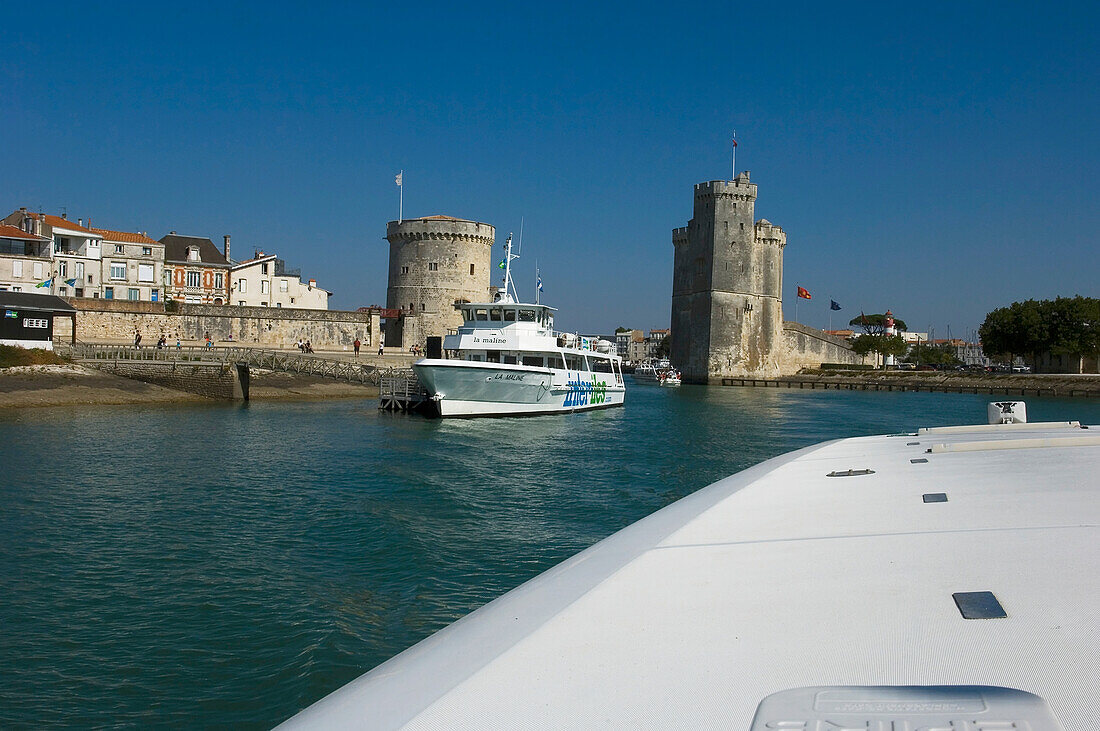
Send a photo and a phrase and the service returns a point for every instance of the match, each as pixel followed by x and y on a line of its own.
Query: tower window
pixel 742 225
pixel 471 270
pixel 404 270
pixel 433 266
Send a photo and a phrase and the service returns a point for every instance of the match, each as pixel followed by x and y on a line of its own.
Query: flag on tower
pixel 804 293
pixel 397 178
pixel 833 305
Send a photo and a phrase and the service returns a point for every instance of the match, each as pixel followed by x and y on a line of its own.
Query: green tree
pixel 881 344
pixel 1066 325
pixel 876 324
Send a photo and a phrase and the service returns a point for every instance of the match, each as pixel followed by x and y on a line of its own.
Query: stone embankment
pixel 224 381
pixel 994 384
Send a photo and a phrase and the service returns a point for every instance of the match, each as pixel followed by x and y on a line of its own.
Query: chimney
pixel 65 215
pixel 80 222
pixel 89 221
pixel 22 209
pixel 312 283
pixel 227 249
pixel 171 233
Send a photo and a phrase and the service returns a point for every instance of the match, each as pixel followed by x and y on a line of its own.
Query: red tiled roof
pixel 11 232
pixel 124 236
pixel 59 222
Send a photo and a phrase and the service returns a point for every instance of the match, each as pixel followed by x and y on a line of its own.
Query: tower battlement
pixel 737 189
pixel 768 233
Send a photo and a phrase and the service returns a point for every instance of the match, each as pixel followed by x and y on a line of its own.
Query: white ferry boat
pixel 507 360
pixel 940 579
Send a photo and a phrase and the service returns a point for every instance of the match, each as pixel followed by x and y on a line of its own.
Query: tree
pixel 621 329
pixel 664 347
pixel 881 344
pixel 932 355
pixel 1066 325
pixel 876 324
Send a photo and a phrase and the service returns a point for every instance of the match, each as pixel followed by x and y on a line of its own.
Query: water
pixel 226 566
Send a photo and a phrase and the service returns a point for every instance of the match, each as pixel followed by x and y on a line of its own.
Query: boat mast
pixel 508 257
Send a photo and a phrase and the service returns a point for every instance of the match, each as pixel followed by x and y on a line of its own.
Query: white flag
pixel 397 179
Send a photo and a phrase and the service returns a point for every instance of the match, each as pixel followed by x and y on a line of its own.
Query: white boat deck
pixel 781 578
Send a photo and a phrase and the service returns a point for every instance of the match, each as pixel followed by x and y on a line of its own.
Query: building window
pixel 78 270
pixel 154 296
pixel 421 306
pixel 89 279
pixel 119 248
pixel 241 303
pixel 404 270
pixel 17 268
pixel 134 294
pixel 218 280
pixel 433 266
pixel 108 293
pixel 167 277
pixel 63 268
pixel 282 285
pixel 118 271
pixel 63 291
pixel 263 286
pixel 471 270
pixel 278 304
pixel 147 251
pixel 145 273
pixel 263 304
pixel 242 285
pixel 263 268
pixel 291 300
pixel 192 253
pixel 194 279
pixel 37 269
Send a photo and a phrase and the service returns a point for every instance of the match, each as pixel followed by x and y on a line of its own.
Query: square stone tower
pixel 727 307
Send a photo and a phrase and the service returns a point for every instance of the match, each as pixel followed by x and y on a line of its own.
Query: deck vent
pixel 918 460
pixel 911 444
pixel 850 473
pixel 978 605
pixel 935 497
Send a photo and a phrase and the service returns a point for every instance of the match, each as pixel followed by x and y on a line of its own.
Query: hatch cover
pixel 827 708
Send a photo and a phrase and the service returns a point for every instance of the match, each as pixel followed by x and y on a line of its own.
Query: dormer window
pixel 193 253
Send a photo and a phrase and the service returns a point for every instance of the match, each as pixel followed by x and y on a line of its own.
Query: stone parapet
pixel 224 381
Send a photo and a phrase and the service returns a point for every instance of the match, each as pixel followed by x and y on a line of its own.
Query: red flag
pixel 735 142
pixel 804 293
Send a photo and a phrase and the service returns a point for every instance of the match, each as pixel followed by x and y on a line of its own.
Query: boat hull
pixel 467 389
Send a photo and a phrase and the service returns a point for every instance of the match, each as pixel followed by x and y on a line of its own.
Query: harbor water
pixel 226 565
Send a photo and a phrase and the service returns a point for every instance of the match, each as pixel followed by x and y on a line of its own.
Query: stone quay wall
pixel 808 347
pixel 117 320
pixel 224 381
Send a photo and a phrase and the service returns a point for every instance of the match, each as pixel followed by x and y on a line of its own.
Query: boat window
pixel 510 359
pixel 509 315
pixel 481 315
pixel 574 362
pixel 494 314
pixel 475 358
pixel 492 356
pixel 532 360
pixel 526 315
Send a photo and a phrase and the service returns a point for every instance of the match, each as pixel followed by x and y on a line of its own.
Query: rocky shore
pixel 73 385
pixel 1023 384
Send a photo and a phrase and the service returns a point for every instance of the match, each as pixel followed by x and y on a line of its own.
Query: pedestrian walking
pixel 357 344
pixel 137 339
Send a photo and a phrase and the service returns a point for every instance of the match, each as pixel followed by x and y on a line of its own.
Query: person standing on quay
pixel 137 338
pixel 357 344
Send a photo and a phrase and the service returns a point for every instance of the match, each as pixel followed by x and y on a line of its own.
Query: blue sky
pixel 936 159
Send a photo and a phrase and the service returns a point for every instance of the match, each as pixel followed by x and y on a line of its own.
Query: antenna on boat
pixel 509 285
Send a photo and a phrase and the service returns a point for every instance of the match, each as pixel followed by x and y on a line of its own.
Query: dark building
pixel 28 319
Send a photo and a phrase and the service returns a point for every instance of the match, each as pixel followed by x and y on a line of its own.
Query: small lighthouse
pixel 891 331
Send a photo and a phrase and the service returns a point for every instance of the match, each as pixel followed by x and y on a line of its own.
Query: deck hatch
pixel 935 497
pixel 918 460
pixel 912 444
pixel 849 473
pixel 978 605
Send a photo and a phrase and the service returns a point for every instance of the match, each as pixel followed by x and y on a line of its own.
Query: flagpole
pixel 400 194
pixel 796 298
pixel 735 165
pixel 830 312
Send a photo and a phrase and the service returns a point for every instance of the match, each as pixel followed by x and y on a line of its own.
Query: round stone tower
pixel 434 262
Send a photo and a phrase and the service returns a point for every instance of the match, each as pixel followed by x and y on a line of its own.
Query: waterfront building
pixel 435 262
pixel 75 255
pixel 195 271
pixel 727 293
pixel 25 259
pixel 132 266
pixel 264 281
pixel 27 319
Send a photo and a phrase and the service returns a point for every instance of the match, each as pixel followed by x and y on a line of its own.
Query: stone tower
pixel 727 307
pixel 435 261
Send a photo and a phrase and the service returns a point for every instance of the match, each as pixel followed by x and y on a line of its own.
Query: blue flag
pixel 71 282
pixel 833 305
pixel 538 284
pixel 47 283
